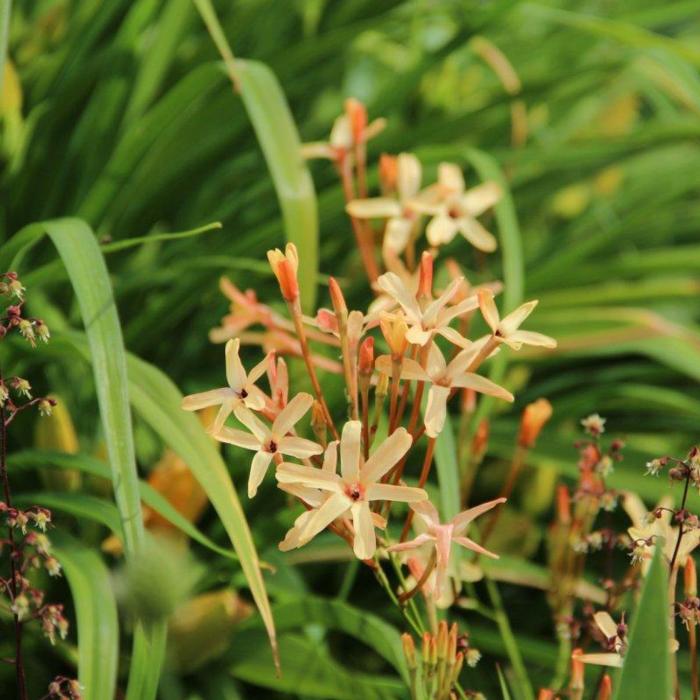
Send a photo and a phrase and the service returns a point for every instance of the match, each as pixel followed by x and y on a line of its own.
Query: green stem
pixel 523 682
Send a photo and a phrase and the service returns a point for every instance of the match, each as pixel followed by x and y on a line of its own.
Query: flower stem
pixel 14 557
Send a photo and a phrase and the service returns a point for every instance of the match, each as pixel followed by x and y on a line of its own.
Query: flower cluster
pixel 62 688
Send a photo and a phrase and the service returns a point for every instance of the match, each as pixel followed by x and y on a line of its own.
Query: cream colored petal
pixel 214 397
pixel 311 496
pixel 232 436
pixel 412 371
pixel 488 309
pixel 602 659
pixel 330 457
pixel 253 423
pixel 391 284
pixel 427 512
pixel 389 452
pixel 470 544
pixel 436 364
pixel 397 234
pixel 258 469
pixel 477 235
pixel 291 539
pixel 235 372
pixel 300 448
pixel 365 542
pixel 389 492
pixel 333 508
pixel 411 544
pixel 221 416
pixel 463 307
pixel 350 447
pixel 480 198
pixel 633 505
pixel 255 400
pixel 443 547
pixel 470 380
pixel 341 133
pixel 417 336
pixel 454 336
pixel 510 323
pixel 378 521
pixel 436 410
pixel 288 473
pixel 317 149
pixel 431 312
pixel 606 624
pixel 450 177
pixel 408 175
pixel 258 370
pixel 532 338
pixel 441 229
pixel 462 360
pixel 461 520
pixel 373 208
pixel 292 413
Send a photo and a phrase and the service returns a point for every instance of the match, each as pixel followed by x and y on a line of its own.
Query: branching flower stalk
pixel 27 545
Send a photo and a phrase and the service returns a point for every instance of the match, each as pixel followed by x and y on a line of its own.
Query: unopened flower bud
pixel 388 173
pixel 481 439
pixel 605 688
pixel 690 578
pixel 337 298
pixel 425 279
pixel 20 606
pixel 577 671
pixel 409 651
pixel 357 115
pixel 534 417
pixel 366 356
pixel 394 330
pixel 563 505
pixel 285 266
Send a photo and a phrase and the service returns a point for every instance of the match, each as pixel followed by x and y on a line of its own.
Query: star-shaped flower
pixel 442 535
pixel 506 329
pixel 443 377
pixel 358 484
pixel 241 389
pixel 268 442
pixel 454 208
pixel 401 218
pixel 430 316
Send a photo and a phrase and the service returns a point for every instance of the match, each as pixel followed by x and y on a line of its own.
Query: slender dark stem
pixel 680 525
pixel 19 661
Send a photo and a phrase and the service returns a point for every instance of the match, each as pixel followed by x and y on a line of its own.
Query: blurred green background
pixel 119 113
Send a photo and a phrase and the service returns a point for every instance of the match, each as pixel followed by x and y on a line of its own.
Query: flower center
pixel 242 394
pixel 354 491
pixel 272 446
pixel 454 213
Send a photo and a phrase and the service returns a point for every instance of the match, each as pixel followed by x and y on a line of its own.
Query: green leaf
pixel 505 693
pixel 646 671
pixel 96 615
pixel 81 255
pixel 33 459
pixel 278 137
pixel 153 237
pixel 5 11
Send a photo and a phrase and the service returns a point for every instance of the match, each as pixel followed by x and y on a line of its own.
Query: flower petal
pixel 427 512
pixel 488 309
pixel 510 323
pixel 301 448
pixel 391 284
pixel 259 370
pixel 410 369
pixel 398 231
pixel 255 400
pixel 386 456
pixel 477 235
pixel 454 336
pixel 333 508
pixel 602 659
pixel 411 544
pixel 224 412
pixel 470 380
pixel 292 414
pixel 258 469
pixel 214 397
pixel 436 365
pixel 463 307
pixel 408 175
pixel 253 423
pixel 389 492
pixel 436 410
pixel 288 473
pixel 462 520
pixel 417 336
pixel 450 177
pixel 441 229
pixel 330 457
pixel 606 624
pixel 240 438
pixel 480 198
pixel 365 542
pixel 350 445
pixel 235 372
pixel 374 208
pixel 532 338
pixel 431 312
pixel 470 544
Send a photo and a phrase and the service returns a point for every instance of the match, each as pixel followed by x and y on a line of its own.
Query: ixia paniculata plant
pixel 26 545
pixel 405 360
